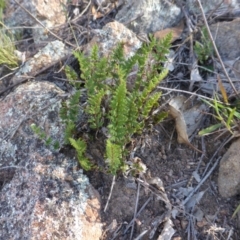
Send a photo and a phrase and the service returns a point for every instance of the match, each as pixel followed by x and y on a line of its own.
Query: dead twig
pixel 187 92
pixel 141 209
pixel 141 235
pixel 135 210
pixel 201 182
pixel 110 194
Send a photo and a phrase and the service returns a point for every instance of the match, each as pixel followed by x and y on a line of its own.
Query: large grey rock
pixel 218 6
pixel 149 16
pixel 113 33
pixel 51 54
pixel 229 171
pixel 49 13
pixel 43 195
pixel 43 10
pixel 228 47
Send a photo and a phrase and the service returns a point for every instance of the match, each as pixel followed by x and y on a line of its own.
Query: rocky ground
pixel 191 187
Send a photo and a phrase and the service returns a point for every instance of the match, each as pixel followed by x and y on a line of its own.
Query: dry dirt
pixel 174 164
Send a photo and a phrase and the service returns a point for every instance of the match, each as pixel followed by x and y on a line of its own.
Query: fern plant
pixel 109 101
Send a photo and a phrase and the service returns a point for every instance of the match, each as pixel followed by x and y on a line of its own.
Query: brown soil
pixel 174 164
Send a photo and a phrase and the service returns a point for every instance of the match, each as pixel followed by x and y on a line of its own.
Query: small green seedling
pixel 203 48
pixel 226 115
pixel 43 136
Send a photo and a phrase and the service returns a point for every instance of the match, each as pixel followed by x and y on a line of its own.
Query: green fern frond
pixel 100 73
pixel 80 147
pixel 162 47
pixel 118 114
pixel 94 56
pixel 133 115
pixel 114 156
pixel 43 136
pixel 159 117
pixel 163 74
pixel 69 114
pixel 70 129
pixel 117 56
pixel 63 111
pixel 94 109
pixel 84 63
pixel 130 63
pixel 142 57
pixel 73 109
pixel 72 76
pixel 152 84
pixel 94 70
pixel 151 102
pixel 85 163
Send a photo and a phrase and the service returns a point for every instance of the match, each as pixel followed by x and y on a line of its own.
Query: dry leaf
pixel 176 106
pixel 95 13
pixel 193 117
pixel 176 32
pixel 178 110
pixel 222 89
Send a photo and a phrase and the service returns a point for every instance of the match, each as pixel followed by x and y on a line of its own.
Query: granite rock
pixel 229 177
pixel 43 194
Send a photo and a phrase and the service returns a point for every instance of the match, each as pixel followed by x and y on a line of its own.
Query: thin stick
pixel 141 209
pixel 215 48
pixel 141 235
pixel 202 181
pixel 203 155
pixel 183 91
pixel 110 194
pixel 135 210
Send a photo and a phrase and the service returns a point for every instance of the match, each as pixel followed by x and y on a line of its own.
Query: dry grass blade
pixel 222 89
